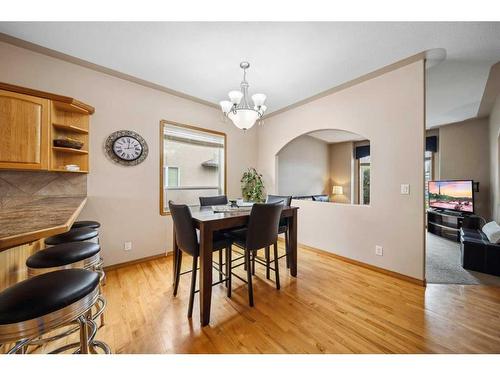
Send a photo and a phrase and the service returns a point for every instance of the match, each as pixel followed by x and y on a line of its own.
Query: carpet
pixel 443 265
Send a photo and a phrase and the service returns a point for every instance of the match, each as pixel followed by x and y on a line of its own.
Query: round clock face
pixel 126 147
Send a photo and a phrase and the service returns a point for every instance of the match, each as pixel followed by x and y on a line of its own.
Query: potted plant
pixel 252 186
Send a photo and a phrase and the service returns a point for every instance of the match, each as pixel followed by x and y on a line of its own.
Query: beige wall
pixel 383 109
pixel 341 166
pixel 494 133
pixel 464 154
pixel 126 199
pixel 303 167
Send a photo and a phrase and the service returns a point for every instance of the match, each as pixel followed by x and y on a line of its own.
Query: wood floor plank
pixel 331 307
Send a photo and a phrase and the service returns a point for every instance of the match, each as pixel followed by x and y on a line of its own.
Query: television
pixel 453 195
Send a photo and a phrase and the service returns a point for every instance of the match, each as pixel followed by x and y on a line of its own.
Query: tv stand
pixel 448 224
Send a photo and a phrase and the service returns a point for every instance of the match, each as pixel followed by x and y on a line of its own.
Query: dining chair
pixel 187 240
pixel 261 232
pixel 216 200
pixel 283 229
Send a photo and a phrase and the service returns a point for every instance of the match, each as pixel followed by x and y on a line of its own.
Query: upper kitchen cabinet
pixel 23 131
pixel 43 131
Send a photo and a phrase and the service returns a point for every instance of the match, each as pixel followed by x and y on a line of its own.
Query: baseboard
pixel 364 265
pixel 135 261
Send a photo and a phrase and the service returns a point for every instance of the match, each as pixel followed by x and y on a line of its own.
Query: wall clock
pixel 126 147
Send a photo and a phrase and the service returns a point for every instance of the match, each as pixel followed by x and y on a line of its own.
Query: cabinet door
pixel 23 131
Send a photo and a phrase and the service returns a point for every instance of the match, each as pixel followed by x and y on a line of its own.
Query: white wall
pixel 494 130
pixel 388 110
pixel 125 199
pixel 303 167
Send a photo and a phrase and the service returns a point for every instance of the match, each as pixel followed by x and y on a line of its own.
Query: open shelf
pixel 69 150
pixel 66 171
pixel 71 128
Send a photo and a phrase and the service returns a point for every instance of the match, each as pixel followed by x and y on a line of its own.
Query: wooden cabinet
pixel 23 131
pixel 31 120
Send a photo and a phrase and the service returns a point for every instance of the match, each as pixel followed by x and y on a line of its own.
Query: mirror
pixel 326 166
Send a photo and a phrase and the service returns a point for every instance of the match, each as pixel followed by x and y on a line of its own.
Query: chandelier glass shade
pixel 238 108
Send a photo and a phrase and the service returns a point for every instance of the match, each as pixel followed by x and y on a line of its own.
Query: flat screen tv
pixel 454 195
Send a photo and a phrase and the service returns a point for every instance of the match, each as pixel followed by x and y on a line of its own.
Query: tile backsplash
pixel 19 186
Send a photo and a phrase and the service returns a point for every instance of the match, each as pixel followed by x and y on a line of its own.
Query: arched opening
pixel 326 165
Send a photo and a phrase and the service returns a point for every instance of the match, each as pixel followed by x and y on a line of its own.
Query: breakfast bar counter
pixel 37 218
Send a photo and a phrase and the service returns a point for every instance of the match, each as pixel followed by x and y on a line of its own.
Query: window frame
pixel 163 123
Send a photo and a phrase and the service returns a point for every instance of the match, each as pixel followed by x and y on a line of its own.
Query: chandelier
pixel 238 108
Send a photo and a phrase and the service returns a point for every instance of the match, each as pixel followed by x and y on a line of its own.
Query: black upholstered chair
pixel 217 200
pixel 286 200
pixel 262 232
pixel 41 304
pixel 187 240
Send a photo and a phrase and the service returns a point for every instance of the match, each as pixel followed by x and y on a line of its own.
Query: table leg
pixel 206 237
pixel 292 242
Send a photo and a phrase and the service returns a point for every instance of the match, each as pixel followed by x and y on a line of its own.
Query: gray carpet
pixel 443 265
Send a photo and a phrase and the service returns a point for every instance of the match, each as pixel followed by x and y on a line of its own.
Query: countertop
pixel 38 218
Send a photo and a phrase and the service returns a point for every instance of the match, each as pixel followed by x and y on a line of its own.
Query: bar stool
pixel 69 255
pixel 73 235
pixel 41 304
pixel 78 234
pixel 86 224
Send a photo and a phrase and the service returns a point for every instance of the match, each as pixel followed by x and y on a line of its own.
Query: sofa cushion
pixel 492 231
pixel 473 233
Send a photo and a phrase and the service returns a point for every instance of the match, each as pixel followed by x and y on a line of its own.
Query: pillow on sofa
pixel 492 231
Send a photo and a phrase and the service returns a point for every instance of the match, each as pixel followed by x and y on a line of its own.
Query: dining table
pixel 208 221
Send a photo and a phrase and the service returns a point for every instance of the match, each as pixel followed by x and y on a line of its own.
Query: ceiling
pixel 289 61
pixel 336 136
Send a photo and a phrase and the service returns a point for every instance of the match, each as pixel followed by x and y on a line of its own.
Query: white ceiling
pixel 336 136
pixel 289 61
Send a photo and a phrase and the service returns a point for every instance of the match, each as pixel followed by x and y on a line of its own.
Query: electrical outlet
pixel 405 189
pixel 127 246
pixel 379 250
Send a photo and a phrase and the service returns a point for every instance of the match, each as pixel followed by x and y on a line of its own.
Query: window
pixel 428 174
pixel 364 180
pixel 172 176
pixel 200 155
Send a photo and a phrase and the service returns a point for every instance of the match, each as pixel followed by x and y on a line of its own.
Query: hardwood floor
pixel 332 307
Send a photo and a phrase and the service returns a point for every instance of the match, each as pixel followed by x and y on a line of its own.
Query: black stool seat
pixel 77 234
pixel 44 294
pixel 63 254
pixel 86 224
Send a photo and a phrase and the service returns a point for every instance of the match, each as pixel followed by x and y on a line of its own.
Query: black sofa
pixel 478 253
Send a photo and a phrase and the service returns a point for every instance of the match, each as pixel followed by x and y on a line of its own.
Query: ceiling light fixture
pixel 238 109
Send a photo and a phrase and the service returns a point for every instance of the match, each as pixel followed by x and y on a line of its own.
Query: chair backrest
pixel 218 200
pixel 286 199
pixel 263 225
pixel 185 232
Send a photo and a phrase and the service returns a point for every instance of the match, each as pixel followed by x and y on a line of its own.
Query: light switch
pixel 405 189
